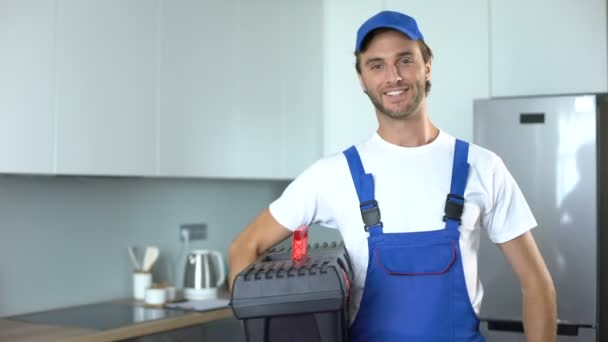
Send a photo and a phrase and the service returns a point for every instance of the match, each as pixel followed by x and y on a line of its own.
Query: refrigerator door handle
pixel 518 326
pixel 502 325
pixel 532 118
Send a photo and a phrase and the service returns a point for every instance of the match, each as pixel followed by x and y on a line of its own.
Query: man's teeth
pixel 394 92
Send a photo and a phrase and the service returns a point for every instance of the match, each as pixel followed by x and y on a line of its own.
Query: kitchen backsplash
pixel 63 240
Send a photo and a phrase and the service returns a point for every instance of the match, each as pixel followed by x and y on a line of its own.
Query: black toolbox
pixel 280 299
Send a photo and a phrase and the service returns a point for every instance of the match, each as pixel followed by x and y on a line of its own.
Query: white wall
pixel 456 32
pixel 348 115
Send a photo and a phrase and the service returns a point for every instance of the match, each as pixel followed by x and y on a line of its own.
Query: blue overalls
pixel 415 289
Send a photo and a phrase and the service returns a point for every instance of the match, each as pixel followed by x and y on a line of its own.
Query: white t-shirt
pixel 411 185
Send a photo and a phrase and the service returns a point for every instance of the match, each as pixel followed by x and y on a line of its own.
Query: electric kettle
pixel 204 274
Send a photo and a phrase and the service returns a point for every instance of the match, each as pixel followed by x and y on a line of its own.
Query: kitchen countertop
pixel 63 325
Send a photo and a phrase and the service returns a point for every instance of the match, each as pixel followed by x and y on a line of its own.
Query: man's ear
pixel 427 69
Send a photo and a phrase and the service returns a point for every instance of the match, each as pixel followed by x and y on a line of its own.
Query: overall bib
pixel 415 288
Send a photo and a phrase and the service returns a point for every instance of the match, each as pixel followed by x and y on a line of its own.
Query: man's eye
pixel 376 67
pixel 406 61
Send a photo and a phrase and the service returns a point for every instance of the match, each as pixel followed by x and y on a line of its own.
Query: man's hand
pixel 263 233
pixel 539 303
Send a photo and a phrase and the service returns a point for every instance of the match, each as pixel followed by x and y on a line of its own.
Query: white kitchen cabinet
pixel 257 149
pixel 238 85
pixel 107 95
pixel 459 69
pixel 198 119
pixel 301 58
pixel 548 47
pixel 26 86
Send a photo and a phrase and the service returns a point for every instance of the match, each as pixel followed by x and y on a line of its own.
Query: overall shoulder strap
pixel 454 203
pixel 364 184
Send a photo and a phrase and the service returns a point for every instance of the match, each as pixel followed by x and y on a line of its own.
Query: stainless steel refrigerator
pixel 556 148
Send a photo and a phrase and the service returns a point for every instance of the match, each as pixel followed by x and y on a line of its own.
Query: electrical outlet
pixel 196 231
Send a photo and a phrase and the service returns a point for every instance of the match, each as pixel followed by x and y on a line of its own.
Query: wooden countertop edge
pixel 19 331
pixel 153 327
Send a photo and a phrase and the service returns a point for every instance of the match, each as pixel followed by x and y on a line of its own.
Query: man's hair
pixel 427 53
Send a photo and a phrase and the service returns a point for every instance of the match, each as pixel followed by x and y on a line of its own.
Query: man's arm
pixel 538 292
pixel 263 233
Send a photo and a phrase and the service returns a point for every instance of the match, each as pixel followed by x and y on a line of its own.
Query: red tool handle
pixel 299 244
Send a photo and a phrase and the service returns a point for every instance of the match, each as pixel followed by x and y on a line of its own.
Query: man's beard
pixel 410 108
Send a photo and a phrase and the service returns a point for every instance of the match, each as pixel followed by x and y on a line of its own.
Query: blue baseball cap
pixel 391 20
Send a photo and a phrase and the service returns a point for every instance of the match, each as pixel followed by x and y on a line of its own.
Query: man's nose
pixel 394 74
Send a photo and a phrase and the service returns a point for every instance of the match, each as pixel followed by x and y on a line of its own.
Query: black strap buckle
pixel 370 212
pixel 454 205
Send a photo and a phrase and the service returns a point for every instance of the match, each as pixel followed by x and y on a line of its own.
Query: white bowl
pixel 156 296
pixel 200 294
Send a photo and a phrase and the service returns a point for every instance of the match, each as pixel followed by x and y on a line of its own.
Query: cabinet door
pixel 457 34
pixel 548 47
pixel 107 69
pixel 301 57
pixel 240 89
pixel 285 43
pixel 26 86
pixel 260 91
pixel 199 126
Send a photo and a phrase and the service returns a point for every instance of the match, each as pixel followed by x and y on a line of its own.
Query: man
pixel 416 264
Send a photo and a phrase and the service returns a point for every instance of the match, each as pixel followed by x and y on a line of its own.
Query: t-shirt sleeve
pixel 304 201
pixel 508 215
